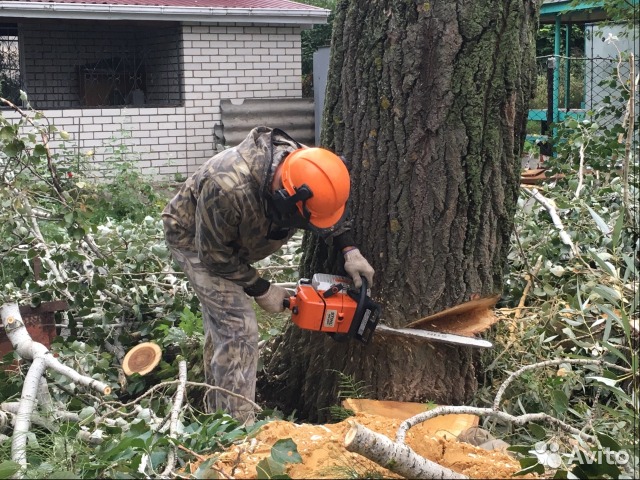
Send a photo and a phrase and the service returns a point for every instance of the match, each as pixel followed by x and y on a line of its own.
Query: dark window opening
pixel 9 63
pixel 113 81
pixel 85 64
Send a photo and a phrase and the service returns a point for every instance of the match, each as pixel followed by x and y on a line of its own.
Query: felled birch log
pixel 397 457
pixel 30 350
pixel 41 359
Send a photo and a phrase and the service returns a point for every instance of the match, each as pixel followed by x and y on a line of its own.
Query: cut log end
pixel 107 390
pixel 10 320
pixel 351 433
pixel 141 359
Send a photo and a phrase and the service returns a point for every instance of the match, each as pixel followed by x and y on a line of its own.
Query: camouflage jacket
pixel 221 211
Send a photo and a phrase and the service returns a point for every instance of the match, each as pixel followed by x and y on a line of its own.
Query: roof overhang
pixel 84 11
pixel 568 11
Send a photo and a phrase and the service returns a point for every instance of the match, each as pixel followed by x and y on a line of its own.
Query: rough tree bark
pixel 427 102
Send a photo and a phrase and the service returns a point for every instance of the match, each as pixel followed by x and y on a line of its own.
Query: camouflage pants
pixel 231 337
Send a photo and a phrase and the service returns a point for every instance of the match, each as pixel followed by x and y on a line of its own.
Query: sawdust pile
pixel 324 456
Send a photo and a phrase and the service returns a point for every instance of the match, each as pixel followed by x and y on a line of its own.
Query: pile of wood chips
pixel 324 456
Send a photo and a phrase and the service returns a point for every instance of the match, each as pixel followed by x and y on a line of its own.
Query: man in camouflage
pixel 224 218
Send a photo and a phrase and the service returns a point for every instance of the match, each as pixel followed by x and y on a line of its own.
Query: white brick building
pixel 157 69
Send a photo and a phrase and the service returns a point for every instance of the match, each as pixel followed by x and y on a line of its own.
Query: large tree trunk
pixel 427 101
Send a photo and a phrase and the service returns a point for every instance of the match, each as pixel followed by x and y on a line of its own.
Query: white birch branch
pixel 395 456
pixel 631 105
pixel 487 412
pixel 505 417
pixel 175 417
pixel 25 410
pixel 548 363
pixel 27 210
pixel 582 150
pixel 30 350
pixel 548 205
pixel 41 359
pixel 92 438
pixel 44 397
pixel 206 386
pixel 56 414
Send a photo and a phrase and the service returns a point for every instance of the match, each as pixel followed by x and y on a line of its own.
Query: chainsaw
pixel 331 304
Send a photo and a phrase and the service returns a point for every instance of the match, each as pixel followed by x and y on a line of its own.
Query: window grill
pixel 9 63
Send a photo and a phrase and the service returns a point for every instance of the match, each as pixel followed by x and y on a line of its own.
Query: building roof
pixel 277 4
pixel 204 11
pixel 572 11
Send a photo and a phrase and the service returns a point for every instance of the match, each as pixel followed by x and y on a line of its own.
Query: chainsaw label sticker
pixel 330 318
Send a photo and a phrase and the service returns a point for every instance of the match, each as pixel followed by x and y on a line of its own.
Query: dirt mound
pixel 324 456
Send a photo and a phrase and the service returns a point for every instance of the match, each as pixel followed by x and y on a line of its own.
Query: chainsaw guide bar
pixel 432 336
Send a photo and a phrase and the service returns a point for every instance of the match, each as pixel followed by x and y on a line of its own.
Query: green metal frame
pixel 558 13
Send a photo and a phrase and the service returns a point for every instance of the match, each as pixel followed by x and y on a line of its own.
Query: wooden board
pixel 445 426
pixel 468 318
pixel 537 175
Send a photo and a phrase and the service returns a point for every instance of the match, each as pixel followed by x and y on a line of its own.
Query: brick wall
pixel 219 62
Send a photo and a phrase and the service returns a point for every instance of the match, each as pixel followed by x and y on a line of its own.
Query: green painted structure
pixel 559 13
pixel 562 14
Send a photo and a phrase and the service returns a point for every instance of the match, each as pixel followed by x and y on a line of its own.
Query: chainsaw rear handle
pixel 361 299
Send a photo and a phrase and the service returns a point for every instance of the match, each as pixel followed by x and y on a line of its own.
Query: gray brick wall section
pixel 219 62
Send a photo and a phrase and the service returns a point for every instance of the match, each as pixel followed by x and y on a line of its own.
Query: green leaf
pixel 608 442
pixel 607 293
pixel 602 225
pixel 560 401
pixel 622 319
pixel 595 470
pixel 521 449
pixel 285 451
pixel 610 382
pixel 14 148
pixel 61 475
pixel 8 468
pixel 205 470
pixel 530 465
pixel 606 266
pixel 617 230
pixel 268 468
pixel 39 150
pixel 7 133
pixel 536 432
pixel 615 351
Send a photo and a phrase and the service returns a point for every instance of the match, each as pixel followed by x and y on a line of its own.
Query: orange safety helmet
pixel 326 175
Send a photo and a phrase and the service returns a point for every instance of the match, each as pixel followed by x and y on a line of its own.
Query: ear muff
pixel 287 204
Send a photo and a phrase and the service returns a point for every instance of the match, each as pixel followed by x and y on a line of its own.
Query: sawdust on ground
pixel 324 455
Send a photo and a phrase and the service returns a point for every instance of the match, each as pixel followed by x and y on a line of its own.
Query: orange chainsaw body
pixel 327 303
